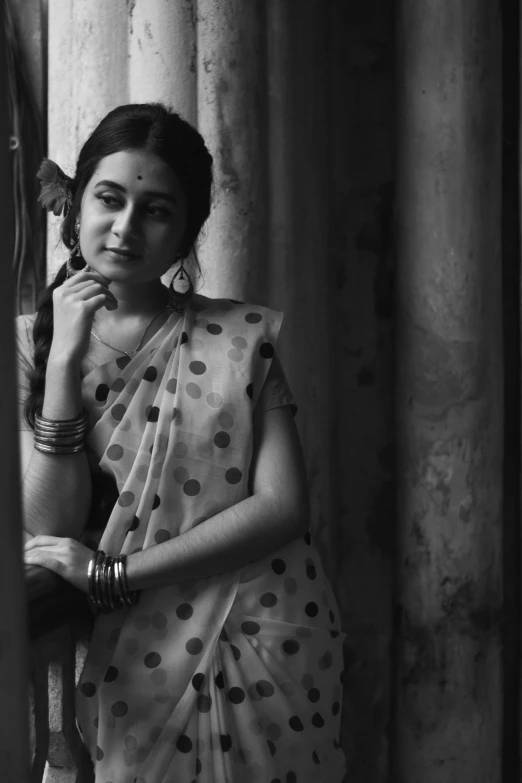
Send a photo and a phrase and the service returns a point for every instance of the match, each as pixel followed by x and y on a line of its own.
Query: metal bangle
pixel 59 449
pixel 90 577
pixel 98 576
pixel 52 440
pixel 61 433
pixel 118 585
pixel 83 416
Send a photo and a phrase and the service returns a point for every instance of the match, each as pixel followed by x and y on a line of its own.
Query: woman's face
pixel 133 202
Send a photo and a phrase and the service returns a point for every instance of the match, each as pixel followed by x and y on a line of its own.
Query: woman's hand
pixel 65 556
pixel 74 304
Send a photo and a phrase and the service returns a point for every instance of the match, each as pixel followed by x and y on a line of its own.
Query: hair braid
pixel 42 337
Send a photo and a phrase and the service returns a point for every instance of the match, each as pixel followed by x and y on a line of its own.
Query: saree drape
pixel 235 677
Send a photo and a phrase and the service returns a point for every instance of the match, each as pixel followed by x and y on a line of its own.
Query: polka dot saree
pixel 231 678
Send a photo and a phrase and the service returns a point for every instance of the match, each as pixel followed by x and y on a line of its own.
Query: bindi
pixel 139 176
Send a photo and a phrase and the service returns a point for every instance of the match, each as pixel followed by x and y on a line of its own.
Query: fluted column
pixel 232 119
pixel 14 718
pixel 449 392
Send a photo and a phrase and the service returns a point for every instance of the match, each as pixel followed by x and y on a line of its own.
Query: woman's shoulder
pixel 252 313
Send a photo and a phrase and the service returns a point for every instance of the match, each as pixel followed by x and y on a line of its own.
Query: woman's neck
pixel 140 300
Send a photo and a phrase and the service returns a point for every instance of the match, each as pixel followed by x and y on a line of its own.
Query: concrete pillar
pixel 232 119
pixel 162 54
pixel 449 392
pixel 14 702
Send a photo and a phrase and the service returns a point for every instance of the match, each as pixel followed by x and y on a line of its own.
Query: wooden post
pixel 450 390
pixel 14 713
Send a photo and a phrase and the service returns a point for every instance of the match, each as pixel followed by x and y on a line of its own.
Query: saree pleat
pixel 231 678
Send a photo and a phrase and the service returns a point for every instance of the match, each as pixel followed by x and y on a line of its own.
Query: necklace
pixel 135 350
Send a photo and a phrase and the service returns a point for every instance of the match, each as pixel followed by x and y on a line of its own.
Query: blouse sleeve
pixel 24 364
pixel 276 391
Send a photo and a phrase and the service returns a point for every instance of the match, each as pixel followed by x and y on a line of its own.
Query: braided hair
pixel 152 127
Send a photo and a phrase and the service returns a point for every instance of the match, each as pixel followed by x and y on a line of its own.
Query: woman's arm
pixel 276 513
pixel 56 489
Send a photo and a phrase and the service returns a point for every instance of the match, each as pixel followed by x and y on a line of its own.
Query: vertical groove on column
pixel 232 118
pixel 512 387
pixel 14 703
pixel 449 392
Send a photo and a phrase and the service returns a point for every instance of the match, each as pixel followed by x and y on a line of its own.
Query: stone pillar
pixel 449 392
pixel 14 703
pixel 232 119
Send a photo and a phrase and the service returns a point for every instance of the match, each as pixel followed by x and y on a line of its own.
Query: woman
pixel 163 420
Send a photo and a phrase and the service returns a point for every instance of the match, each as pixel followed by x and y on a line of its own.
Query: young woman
pixel 158 431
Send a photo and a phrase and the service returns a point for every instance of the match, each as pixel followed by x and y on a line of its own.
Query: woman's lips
pixel 120 256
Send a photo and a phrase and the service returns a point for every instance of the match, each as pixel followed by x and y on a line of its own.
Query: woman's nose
pixel 126 223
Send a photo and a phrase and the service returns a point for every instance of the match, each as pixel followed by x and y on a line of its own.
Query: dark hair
pixel 153 127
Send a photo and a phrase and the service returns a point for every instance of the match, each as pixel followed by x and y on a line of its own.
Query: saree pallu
pixel 235 677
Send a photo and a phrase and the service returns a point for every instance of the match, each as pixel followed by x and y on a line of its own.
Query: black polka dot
pixel 194 646
pixel 253 318
pixel 184 611
pixel 331 616
pixel 99 753
pixel 152 412
pixel 119 709
pixel 226 742
pixel 150 374
pixel 235 651
pixel 313 695
pixel 118 412
pixel 161 535
pixel 156 502
pixel 152 660
pixel 220 680
pixel 236 695
pixel 253 693
pixel 88 689
pixel 268 600
pixel 271 747
pixel 197 680
pixel 199 766
pixel 334 634
pixel 325 661
pixel 278 566
pixel 315 757
pixel 310 571
pixel 204 702
pixel 184 338
pixel 265 688
pixel 341 677
pixel 223 636
pixel 335 708
pixel 197 368
pixel 290 646
pixel 101 392
pixel 134 524
pixel 311 609
pixel 291 777
pixel 317 720
pixel 111 674
pixel 191 487
pixel 250 627
pixel 250 390
pixel 214 329
pixel 184 743
pixel 295 723
pixel 308 539
pixel 266 351
pixel 123 361
pixel 126 499
pixel 233 475
pixel 222 440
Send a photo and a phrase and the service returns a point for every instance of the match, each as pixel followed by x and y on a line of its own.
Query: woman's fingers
pixel 42 541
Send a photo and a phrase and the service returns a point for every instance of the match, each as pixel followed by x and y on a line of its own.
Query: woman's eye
pixel 108 198
pixel 158 210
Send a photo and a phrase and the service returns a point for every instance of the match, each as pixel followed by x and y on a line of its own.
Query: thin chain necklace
pixel 135 350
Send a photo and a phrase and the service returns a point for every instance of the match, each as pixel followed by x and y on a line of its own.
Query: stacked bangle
pixel 64 436
pixel 107 582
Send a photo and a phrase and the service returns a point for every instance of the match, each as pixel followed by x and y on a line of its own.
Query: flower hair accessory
pixel 56 192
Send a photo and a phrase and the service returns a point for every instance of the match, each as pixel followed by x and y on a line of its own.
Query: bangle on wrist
pixel 107 582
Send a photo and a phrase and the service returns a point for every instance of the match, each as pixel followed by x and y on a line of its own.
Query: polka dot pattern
pixel 175 450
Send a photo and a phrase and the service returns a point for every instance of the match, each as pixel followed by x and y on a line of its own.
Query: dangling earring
pixel 178 299
pixel 73 264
